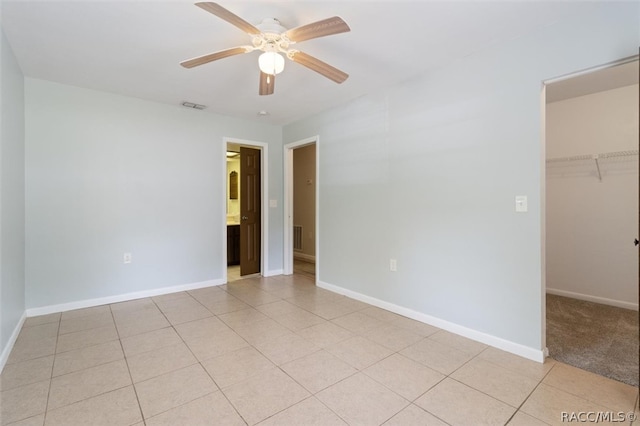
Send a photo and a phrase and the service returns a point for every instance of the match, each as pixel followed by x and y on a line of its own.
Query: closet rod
pixel 594 156
pixel 619 154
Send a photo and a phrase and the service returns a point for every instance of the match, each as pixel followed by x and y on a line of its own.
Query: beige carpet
pixel 598 338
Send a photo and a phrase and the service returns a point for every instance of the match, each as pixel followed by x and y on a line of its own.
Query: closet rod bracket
pixel 595 158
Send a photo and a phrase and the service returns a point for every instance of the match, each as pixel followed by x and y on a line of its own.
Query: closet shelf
pixel 595 158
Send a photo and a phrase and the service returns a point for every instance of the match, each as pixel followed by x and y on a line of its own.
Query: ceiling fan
pixel 273 39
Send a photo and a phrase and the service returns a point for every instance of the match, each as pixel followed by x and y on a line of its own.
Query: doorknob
pixel 245 217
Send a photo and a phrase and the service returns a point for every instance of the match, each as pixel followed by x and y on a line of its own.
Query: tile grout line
pixel 446 376
pixel 355 334
pixel 207 371
pixel 124 356
pixel 53 365
pixel 257 286
pixel 588 372
pixel 519 409
pixel 279 367
pixel 198 362
pixel 276 366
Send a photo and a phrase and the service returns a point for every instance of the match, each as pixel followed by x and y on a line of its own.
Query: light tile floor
pixel 279 351
pixel 299 267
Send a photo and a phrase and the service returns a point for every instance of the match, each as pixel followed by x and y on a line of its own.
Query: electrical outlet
pixel 127 258
pixel 393 265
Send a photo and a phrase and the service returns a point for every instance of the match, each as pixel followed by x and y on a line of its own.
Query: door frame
pixel 543 183
pixel 264 205
pixel 288 203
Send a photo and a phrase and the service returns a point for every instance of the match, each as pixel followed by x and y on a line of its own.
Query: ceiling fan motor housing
pixel 271 26
pixel 271 38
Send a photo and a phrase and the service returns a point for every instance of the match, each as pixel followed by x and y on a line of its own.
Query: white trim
pixel 543 181
pixel 287 246
pixel 593 69
pixel 595 299
pixel 223 170
pixel 488 339
pixel 288 202
pixel 273 272
pixel 318 236
pixel 4 356
pixel 543 216
pixel 63 307
pixel 264 214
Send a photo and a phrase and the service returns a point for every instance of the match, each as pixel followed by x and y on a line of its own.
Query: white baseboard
pixel 595 299
pixel 306 257
pixel 273 272
pixel 488 339
pixel 4 356
pixel 63 307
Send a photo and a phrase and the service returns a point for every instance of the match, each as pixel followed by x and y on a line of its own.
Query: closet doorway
pixel 301 208
pixel 591 220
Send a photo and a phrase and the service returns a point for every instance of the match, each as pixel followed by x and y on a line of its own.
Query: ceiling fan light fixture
pixel 271 63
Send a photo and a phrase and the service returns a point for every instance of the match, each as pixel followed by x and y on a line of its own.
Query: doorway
pixel 245 213
pixel 591 217
pixel 301 253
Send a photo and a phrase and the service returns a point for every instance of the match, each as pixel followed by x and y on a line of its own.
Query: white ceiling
pixel 134 47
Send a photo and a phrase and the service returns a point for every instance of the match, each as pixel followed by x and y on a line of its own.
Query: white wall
pixel 426 172
pixel 12 244
pixel 591 224
pixel 107 174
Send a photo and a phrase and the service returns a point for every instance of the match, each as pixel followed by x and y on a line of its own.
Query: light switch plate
pixel 521 204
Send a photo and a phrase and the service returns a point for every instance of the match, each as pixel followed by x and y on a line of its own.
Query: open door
pixel 250 211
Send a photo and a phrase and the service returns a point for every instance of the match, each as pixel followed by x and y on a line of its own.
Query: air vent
pixel 297 237
pixel 192 105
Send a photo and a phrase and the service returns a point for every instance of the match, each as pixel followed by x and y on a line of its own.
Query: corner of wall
pixel 12 196
pixel 6 351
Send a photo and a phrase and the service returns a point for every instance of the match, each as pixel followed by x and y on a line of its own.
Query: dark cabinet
pixel 233 245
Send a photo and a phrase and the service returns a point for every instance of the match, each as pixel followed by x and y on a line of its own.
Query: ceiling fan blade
pixel 322 28
pixel 200 60
pixel 267 84
pixel 320 67
pixel 231 18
